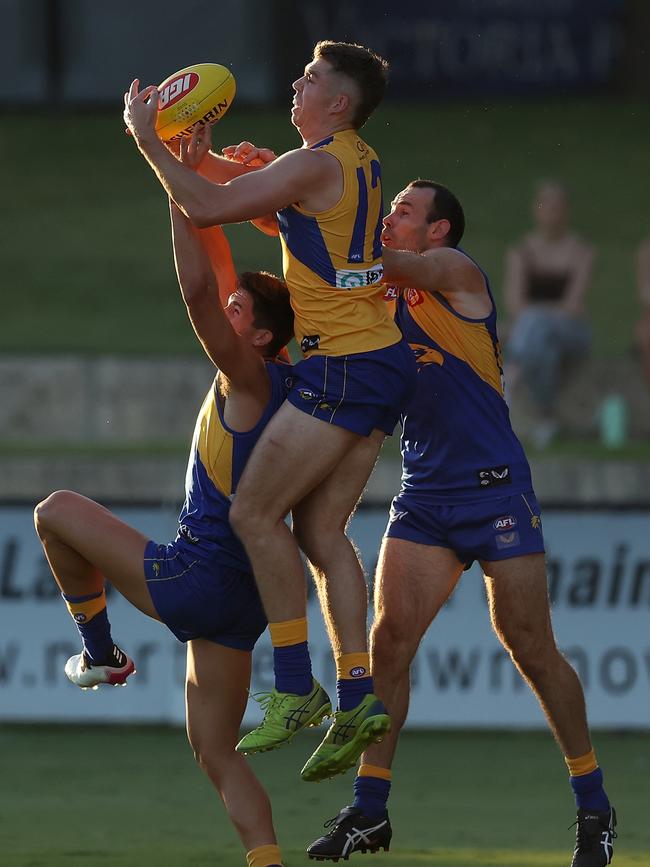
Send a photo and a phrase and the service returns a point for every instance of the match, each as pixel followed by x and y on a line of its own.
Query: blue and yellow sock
pixel 353 681
pixel 371 790
pixel 264 856
pixel 291 662
pixel 587 783
pixel 90 616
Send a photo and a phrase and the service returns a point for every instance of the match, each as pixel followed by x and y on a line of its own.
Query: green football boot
pixel 348 736
pixel 285 715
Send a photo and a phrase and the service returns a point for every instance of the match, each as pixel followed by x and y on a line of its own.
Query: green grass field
pixel 132 797
pixel 86 252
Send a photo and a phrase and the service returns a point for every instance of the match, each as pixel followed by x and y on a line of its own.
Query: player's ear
pixel 262 337
pixel 439 230
pixel 341 103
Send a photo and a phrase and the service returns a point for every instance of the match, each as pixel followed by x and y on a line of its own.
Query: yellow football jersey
pixel 332 259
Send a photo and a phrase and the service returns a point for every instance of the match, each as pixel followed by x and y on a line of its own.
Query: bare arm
pixel 220 170
pixel 292 177
pixel 237 360
pixel 444 269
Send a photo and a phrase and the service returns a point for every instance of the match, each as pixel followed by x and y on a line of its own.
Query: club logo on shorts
pixel 535 522
pixel 156 569
pixel 80 618
pixel 505 522
pixel 507 540
pixel 397 516
pixel 358 671
pixel 309 342
pixel 491 477
pixel 306 394
pixel 186 533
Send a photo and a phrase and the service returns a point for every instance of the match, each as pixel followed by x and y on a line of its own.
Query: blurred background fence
pixel 100 375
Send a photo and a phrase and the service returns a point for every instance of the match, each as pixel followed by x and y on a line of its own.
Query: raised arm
pixel 286 180
pixel 238 361
pixel 220 170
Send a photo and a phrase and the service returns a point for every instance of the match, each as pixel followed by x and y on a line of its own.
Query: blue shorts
pixel 201 598
pixel 489 530
pixel 359 392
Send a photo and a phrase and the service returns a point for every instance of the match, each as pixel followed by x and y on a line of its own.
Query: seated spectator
pixel 643 325
pixel 547 276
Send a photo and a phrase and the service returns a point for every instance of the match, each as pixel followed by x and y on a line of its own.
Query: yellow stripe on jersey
pixel 214 445
pixel 469 341
pixel 332 259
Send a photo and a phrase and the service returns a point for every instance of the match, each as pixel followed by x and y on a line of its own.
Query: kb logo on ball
pixel 177 88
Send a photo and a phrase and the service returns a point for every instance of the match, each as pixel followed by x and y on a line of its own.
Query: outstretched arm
pixel 239 160
pixel 443 269
pixel 247 197
pixel 239 362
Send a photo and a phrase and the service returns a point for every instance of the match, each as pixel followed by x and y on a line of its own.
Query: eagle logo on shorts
pixel 535 522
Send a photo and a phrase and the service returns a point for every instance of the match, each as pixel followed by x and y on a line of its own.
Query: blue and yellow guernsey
pixel 458 445
pixel 332 259
pixel 217 459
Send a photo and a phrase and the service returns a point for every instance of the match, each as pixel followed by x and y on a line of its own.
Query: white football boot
pixel 80 671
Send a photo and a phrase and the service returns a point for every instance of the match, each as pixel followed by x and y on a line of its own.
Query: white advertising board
pixel 599 573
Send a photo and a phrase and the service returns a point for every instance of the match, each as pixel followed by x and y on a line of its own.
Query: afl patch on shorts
pixel 495 529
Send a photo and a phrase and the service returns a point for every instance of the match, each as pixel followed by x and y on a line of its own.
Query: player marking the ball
pixel 315 457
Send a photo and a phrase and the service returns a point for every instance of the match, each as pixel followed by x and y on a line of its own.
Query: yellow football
pixel 195 96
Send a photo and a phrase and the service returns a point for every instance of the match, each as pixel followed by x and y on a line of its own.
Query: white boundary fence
pixel 599 565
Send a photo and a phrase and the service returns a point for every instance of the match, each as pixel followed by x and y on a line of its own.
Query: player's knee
pixel 532 652
pixel 50 510
pixel 245 519
pixel 392 646
pixel 210 755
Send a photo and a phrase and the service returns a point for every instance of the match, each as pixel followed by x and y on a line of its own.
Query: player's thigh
pixel 329 506
pixel 412 583
pixel 114 548
pixel 518 597
pixel 216 692
pixel 293 455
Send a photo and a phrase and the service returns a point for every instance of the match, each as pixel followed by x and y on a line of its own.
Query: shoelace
pixel 268 700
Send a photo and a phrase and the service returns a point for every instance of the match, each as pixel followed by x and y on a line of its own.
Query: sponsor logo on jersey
pixel 505 522
pixel 353 279
pixel 358 671
pixel 491 477
pixel 177 89
pixel 507 540
pixel 309 342
pixel 413 297
pixel 392 293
